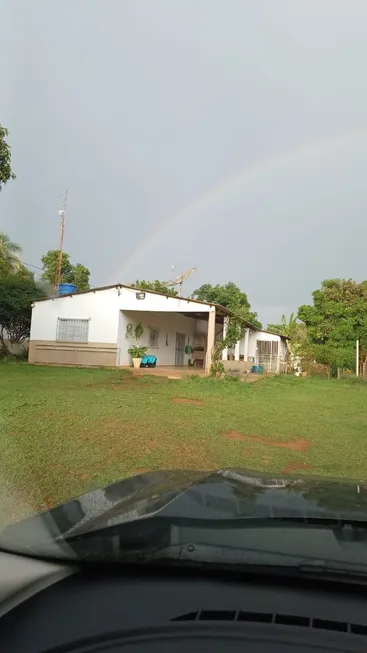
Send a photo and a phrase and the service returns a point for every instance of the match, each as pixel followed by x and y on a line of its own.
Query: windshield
pixel 183 310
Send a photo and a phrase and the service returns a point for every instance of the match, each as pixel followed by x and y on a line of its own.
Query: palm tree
pixel 9 252
pixel 285 328
pixel 294 331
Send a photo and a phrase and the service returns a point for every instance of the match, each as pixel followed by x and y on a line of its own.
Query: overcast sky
pixel 230 135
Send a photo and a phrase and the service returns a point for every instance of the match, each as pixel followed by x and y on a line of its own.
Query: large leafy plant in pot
pixel 137 352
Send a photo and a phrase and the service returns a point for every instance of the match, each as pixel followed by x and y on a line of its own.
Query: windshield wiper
pixel 180 557
pixel 337 571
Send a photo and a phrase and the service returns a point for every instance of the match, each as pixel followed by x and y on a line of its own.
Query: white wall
pixel 283 348
pixel 263 335
pixel 160 303
pixel 99 307
pixel 168 325
pixel 251 344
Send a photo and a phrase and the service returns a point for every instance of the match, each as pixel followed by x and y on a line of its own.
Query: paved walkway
pixel 169 371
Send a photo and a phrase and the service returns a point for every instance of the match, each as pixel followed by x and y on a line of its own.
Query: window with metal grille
pixel 72 330
pixel 267 347
pixel 153 337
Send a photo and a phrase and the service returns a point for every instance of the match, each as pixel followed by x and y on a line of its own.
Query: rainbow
pixel 230 184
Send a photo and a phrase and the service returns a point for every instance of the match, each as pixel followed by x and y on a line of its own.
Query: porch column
pixel 237 351
pixel 210 340
pixel 278 359
pixel 225 327
pixel 247 338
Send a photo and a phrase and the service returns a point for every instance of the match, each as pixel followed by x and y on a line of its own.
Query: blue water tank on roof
pixel 67 288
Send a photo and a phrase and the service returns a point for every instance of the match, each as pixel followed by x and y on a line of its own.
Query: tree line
pixel 325 332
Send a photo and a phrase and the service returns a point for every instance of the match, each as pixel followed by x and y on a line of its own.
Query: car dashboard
pixel 60 608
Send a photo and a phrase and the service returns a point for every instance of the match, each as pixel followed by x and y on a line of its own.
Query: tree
pixel 294 331
pixel 80 276
pixel 230 296
pixel 10 262
pixel 16 296
pixel 337 318
pixel 335 356
pixel 156 286
pixel 77 274
pixel 50 264
pixel 9 254
pixel 6 172
pixel 285 328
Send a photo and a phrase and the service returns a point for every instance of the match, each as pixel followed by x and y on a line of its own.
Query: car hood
pixel 226 494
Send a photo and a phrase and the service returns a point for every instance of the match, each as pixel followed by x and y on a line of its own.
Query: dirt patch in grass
pixel 293 467
pixel 182 400
pixel 294 445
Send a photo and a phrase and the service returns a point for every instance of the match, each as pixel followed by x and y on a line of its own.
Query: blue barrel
pixel 67 288
pixel 254 369
pixel 257 369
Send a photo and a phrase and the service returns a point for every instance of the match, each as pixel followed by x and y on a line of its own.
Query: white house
pixel 90 328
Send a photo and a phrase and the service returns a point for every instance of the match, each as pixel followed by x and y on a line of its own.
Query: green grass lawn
pixel 64 431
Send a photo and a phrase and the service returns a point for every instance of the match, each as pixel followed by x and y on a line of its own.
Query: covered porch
pixel 180 340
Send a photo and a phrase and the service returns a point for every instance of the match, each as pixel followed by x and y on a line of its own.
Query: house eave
pixel 221 310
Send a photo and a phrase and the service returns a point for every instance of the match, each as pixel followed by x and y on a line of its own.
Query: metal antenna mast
pixel 61 213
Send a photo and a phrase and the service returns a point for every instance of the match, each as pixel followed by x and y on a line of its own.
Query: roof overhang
pixel 220 310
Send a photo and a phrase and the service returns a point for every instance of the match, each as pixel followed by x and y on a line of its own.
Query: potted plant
pixel 137 352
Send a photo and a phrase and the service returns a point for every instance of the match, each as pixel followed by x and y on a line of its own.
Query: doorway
pixel 267 355
pixel 180 349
